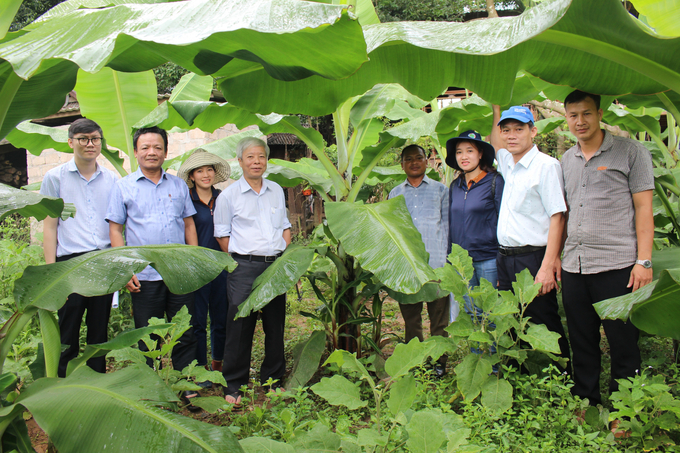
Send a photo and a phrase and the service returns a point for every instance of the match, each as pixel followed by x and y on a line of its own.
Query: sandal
pixel 233 398
pixel 186 396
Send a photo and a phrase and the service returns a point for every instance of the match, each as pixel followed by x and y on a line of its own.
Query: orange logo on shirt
pixel 601 168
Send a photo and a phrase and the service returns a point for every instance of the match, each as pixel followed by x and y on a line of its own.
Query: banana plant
pixel 70 410
pixel 39 64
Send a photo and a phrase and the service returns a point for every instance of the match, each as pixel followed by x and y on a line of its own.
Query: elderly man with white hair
pixel 251 224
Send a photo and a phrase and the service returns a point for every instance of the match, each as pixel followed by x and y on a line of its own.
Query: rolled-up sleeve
pixel 222 217
pixel 117 211
pixel 552 190
pixel 189 208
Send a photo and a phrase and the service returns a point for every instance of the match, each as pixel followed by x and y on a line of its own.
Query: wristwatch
pixel 647 264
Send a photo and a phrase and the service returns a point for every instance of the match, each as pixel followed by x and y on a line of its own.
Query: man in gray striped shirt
pixel 428 203
pixel 608 248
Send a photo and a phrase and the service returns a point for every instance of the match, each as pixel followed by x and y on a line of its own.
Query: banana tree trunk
pixel 349 332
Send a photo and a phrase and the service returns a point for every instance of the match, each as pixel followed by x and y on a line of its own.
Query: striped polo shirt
pixel 601 228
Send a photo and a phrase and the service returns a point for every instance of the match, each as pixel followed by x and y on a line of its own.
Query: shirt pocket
pixel 174 207
pixel 527 200
pixel 277 216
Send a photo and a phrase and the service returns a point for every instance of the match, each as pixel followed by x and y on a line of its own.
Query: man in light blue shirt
pixel 251 224
pixel 428 203
pixel 84 183
pixel 155 208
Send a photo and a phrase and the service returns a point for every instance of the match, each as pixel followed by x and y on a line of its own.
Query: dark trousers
pixel 212 298
pixel 239 343
pixel 97 321
pixel 437 310
pixel 156 301
pixel 579 293
pixel 543 309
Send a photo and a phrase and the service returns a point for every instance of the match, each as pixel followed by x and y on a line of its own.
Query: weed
pixel 647 409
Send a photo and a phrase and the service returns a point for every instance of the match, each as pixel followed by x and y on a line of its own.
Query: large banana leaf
pixel 29 204
pixel 472 113
pixel 38 67
pixel 662 15
pixel 278 278
pixel 654 308
pixel 8 10
pixel 200 35
pixel 594 46
pixel 383 239
pixel 184 269
pixel 192 87
pixel 94 412
pixel 116 101
pixel 35 138
pixel 291 174
pixel 43 94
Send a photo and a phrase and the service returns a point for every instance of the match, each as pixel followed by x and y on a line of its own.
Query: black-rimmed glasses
pixel 84 140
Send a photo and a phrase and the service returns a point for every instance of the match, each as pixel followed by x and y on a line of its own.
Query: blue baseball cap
pixel 519 113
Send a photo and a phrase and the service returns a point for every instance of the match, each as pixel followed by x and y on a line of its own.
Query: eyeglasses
pixel 84 140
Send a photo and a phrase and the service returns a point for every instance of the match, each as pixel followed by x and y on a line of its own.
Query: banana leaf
pixel 94 412
pixel 383 239
pixel 278 278
pixel 185 269
pixel 116 101
pixel 654 308
pixel 29 204
pixel 594 46
pixel 38 65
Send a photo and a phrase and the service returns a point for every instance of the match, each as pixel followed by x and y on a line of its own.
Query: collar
pixel 476 179
pixel 607 143
pixel 426 180
pixel 194 195
pixel 137 175
pixel 525 161
pixel 71 166
pixel 245 187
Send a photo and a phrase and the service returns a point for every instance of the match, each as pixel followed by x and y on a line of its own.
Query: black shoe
pixel 439 371
pixel 187 396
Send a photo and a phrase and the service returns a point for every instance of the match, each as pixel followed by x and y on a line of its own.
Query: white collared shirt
pixel 88 230
pixel 254 222
pixel 534 192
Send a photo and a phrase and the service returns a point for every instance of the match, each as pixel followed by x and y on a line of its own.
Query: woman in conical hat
pixel 201 171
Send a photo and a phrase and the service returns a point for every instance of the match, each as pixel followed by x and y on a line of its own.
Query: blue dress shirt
pixel 152 213
pixel 88 230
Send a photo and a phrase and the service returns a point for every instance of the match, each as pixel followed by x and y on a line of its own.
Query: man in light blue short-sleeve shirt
pixel 155 208
pixel 87 185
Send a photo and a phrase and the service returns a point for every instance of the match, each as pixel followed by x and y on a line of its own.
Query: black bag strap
pixel 493 190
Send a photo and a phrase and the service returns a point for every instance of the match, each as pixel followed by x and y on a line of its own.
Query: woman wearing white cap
pixel 201 171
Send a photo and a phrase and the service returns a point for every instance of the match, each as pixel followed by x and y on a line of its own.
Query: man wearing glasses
pixel 428 203
pixel 87 185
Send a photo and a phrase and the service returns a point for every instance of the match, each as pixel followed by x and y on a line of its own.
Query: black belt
pixel 259 258
pixel 510 251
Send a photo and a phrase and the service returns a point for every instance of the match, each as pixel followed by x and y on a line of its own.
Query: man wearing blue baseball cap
pixel 531 218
